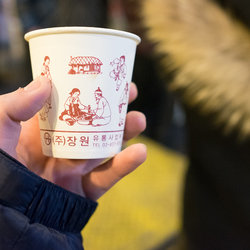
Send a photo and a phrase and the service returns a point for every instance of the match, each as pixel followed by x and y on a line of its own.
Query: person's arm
pixel 48 200
pixel 37 214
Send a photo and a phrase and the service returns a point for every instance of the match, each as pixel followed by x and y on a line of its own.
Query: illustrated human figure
pixel 103 112
pixel 122 105
pixel 73 107
pixel 46 72
pixel 119 71
pixel 45 68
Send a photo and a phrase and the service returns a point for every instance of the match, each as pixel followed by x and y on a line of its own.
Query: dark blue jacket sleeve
pixel 37 214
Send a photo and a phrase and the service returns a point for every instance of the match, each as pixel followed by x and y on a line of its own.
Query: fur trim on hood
pixel 209 51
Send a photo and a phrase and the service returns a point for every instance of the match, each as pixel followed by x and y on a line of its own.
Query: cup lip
pixel 80 29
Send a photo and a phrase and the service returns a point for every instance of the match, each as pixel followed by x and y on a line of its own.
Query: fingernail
pixel 36 83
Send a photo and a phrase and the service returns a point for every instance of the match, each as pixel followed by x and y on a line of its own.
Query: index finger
pixel 102 178
pixel 133 92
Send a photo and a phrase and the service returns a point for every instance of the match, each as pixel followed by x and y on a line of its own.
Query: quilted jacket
pixel 35 213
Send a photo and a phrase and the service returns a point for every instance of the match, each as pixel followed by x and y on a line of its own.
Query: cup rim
pixel 78 29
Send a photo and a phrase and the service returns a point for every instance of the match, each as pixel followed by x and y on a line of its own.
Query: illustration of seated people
pixel 45 71
pixel 103 112
pixel 122 105
pixel 119 71
pixel 75 111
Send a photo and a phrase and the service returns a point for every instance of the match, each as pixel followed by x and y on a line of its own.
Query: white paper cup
pixel 90 71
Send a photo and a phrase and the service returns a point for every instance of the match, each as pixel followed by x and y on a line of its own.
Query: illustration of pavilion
pixel 85 65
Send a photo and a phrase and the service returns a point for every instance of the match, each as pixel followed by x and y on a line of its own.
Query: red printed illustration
pixel 123 105
pixel 45 68
pixel 75 111
pixel 46 72
pixel 85 65
pixel 102 112
pixel 119 71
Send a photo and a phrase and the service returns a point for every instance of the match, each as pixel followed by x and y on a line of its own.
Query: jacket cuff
pixel 40 200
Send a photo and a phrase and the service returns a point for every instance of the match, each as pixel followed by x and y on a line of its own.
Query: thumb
pixel 24 103
pixel 18 106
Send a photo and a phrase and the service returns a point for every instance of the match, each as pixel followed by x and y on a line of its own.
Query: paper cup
pixel 90 71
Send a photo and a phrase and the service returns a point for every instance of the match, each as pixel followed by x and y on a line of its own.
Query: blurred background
pixel 143 211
